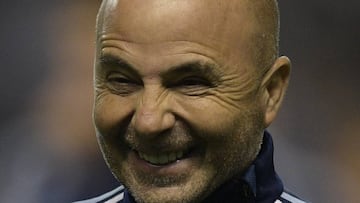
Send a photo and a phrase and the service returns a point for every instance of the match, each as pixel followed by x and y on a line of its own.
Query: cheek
pixel 221 124
pixel 110 118
pixel 208 114
pixel 110 111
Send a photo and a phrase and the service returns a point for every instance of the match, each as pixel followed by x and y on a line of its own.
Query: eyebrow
pixel 112 60
pixel 118 62
pixel 195 67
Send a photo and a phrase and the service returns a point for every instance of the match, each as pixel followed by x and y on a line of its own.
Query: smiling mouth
pixel 162 158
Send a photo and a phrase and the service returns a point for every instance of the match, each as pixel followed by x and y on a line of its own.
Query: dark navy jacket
pixel 259 184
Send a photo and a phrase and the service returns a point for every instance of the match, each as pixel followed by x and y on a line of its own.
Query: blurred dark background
pixel 317 132
pixel 48 150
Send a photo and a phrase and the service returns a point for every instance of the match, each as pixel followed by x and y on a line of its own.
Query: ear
pixel 274 86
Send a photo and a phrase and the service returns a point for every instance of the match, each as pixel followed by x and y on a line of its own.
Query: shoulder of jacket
pixel 116 195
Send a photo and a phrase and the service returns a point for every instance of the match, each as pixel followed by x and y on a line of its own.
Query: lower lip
pixel 178 167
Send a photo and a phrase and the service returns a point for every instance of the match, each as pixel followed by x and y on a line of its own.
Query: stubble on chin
pixel 180 189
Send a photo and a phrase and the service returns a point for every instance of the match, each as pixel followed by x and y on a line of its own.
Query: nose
pixel 153 115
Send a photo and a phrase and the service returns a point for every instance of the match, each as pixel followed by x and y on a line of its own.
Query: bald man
pixel 184 90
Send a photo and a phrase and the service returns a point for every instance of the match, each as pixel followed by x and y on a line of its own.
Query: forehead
pixel 223 25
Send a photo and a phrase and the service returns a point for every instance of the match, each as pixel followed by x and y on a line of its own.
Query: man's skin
pixel 183 92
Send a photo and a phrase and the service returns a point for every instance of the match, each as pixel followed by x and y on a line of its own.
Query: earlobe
pixel 274 85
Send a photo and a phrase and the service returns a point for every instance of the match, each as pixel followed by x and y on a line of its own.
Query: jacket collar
pixel 261 177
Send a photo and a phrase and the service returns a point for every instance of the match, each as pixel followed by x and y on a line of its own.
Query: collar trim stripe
pixel 116 199
pixel 107 197
pixel 291 198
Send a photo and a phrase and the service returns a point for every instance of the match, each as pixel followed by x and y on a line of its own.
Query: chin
pixel 164 195
pixel 180 190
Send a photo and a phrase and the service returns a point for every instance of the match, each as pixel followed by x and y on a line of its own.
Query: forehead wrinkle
pixel 118 38
pixel 170 48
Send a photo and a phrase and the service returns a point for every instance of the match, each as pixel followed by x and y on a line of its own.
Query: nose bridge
pixel 152 112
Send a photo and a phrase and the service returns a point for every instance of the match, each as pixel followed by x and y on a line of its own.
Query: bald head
pixel 226 22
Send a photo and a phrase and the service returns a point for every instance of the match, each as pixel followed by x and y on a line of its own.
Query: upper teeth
pixel 162 158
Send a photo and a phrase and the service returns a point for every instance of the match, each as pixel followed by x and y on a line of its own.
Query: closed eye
pixel 191 86
pixel 122 84
pixel 120 80
pixel 193 81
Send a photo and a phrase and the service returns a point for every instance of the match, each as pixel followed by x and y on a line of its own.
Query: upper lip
pixel 155 148
pixel 155 151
